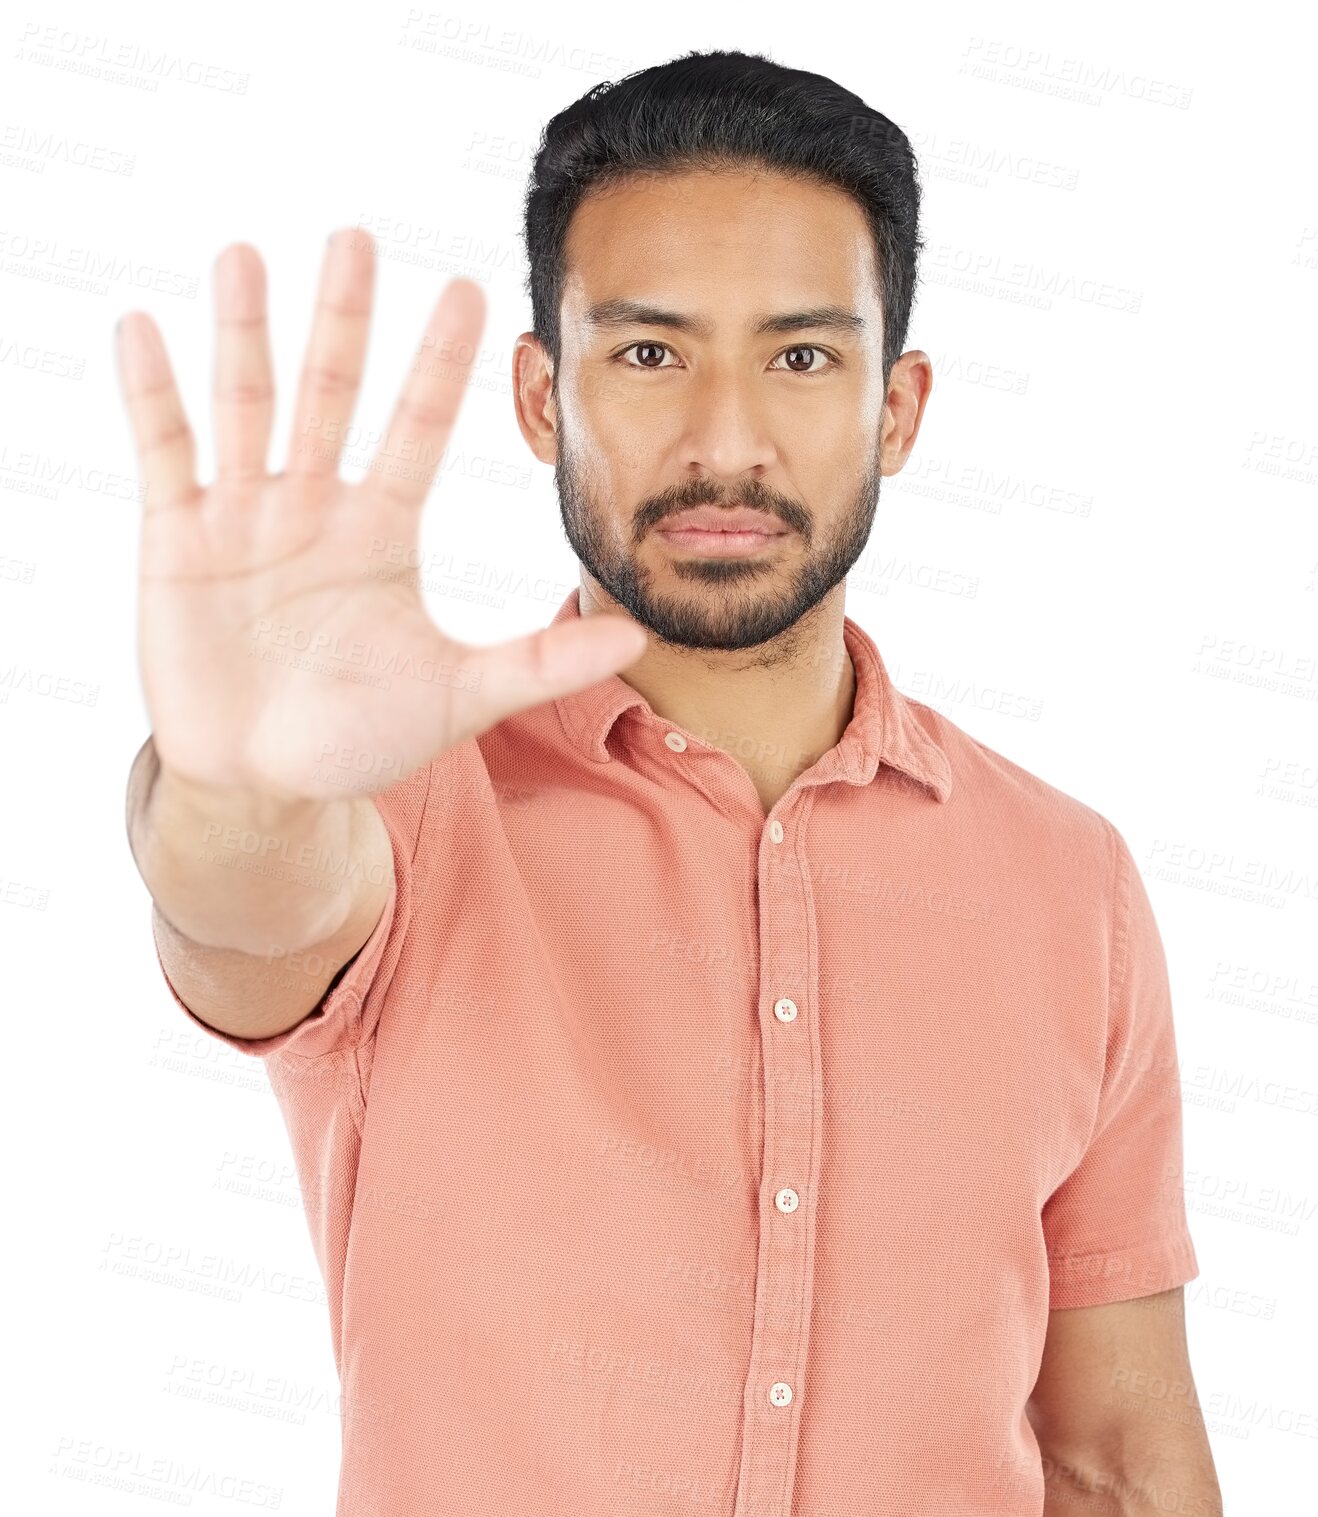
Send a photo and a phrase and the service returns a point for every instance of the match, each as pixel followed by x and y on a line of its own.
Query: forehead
pixel 747 240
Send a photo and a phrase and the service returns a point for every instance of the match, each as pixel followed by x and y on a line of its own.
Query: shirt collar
pixel 884 726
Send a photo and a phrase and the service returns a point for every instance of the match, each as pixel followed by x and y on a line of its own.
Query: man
pixel 718 1082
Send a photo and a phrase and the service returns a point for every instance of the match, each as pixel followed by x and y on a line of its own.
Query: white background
pixel 1100 561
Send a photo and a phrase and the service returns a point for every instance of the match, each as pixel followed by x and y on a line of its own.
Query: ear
pixel 533 398
pixel 909 384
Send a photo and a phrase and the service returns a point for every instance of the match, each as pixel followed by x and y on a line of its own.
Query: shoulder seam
pixel 425 807
pixel 357 1099
pixel 1121 893
pixel 1120 916
pixel 1117 960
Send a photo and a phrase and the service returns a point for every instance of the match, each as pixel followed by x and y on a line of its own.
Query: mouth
pixel 721 533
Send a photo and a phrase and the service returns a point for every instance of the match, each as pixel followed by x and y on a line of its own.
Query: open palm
pixel 284 644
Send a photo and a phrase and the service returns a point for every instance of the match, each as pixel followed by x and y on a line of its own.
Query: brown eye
pixel 801 357
pixel 650 348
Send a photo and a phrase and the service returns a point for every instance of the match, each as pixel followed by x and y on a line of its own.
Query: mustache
pixel 754 496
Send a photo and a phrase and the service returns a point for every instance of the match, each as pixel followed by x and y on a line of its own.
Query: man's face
pixel 653 417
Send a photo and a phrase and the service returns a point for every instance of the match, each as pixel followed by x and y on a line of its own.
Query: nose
pixel 726 430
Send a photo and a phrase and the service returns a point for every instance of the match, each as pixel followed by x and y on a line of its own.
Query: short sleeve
pixel 348 1012
pixel 1116 1227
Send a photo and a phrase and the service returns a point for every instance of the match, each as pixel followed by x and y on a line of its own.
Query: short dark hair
pixel 718 110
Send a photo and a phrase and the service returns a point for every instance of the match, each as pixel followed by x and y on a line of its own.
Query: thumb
pixel 555 661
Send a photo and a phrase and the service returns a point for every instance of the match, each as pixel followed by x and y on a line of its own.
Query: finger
pixel 166 448
pixel 336 354
pixel 558 660
pixel 244 375
pixel 406 461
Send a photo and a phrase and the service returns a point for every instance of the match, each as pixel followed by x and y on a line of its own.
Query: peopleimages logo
pixel 158 1476
pixel 98 56
pixel 359 654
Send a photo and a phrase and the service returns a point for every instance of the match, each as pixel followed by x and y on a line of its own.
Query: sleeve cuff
pixel 331 1025
pixel 1096 1278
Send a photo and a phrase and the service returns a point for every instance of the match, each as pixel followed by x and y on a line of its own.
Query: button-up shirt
pixel 667 1159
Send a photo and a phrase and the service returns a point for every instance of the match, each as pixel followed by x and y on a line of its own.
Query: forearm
pixel 1176 1476
pixel 236 871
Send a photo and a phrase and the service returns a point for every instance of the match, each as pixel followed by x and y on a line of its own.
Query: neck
pixel 775 708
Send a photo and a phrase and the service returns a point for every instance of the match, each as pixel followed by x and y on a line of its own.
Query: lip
pixel 720 544
pixel 722 519
pixel 721 533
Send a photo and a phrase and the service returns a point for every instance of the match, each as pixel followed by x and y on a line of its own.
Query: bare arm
pixel 264 597
pixel 1117 1416
pixel 258 906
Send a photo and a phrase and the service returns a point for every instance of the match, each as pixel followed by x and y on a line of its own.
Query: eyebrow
pixel 626 313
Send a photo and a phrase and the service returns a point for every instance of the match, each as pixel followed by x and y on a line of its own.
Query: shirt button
pixel 776 830
pixel 785 1010
pixel 780 1393
pixel 787 1199
pixel 676 742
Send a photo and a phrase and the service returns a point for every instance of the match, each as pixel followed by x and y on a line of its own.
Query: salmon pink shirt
pixel 667 1159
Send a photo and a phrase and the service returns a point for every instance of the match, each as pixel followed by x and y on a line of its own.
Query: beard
pixel 745 604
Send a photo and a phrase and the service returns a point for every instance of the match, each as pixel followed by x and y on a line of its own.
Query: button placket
pixel 792 1129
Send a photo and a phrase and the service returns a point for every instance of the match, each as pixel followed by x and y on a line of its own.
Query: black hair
pixel 719 110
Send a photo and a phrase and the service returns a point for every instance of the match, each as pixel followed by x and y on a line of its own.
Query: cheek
pixel 837 416
pixel 625 441
pixel 608 404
